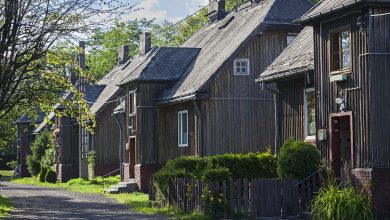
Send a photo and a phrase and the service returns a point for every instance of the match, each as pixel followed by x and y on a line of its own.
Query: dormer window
pixel 241 67
pixel 340 51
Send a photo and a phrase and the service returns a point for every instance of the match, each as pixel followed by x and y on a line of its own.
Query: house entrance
pixel 131 156
pixel 341 144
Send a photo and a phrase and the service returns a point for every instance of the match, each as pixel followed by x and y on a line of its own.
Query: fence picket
pixel 245 195
pixel 224 199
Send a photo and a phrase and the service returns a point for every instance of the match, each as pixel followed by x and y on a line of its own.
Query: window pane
pixel 310 111
pixel 335 61
pixel 184 129
pixel 345 44
pixel 290 38
pixel 179 128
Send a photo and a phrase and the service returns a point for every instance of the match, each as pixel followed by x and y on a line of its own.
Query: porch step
pixel 123 187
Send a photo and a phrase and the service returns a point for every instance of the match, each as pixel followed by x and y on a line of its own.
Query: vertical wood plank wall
pixel 239 116
pixel 369 80
pixel 291 109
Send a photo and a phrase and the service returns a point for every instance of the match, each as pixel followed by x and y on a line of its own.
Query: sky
pixel 165 10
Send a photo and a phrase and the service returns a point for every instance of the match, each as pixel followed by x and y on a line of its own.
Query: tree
pixel 31 72
pixel 43 142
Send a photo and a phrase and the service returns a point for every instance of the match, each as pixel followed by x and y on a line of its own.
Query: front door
pixel 341 145
pixel 131 155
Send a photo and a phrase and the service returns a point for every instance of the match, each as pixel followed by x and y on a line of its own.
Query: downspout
pixel 200 128
pixel 120 144
pixel 276 118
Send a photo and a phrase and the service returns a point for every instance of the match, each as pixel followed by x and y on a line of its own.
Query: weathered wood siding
pixel 168 131
pixel 291 109
pixel 106 137
pixel 369 81
pixel 146 121
pixel 239 115
pixel 69 141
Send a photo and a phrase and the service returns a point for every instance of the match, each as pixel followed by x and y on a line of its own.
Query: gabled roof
pixel 159 64
pixel 328 7
pixel 297 58
pixel 26 119
pixel 219 41
pixel 111 88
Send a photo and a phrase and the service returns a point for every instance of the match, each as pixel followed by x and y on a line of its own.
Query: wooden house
pixel 213 105
pixel 293 73
pixel 352 57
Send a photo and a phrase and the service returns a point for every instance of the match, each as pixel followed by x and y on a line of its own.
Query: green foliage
pixel 43 141
pixel 12 164
pixel 214 204
pixel 230 4
pixel 297 159
pixel 48 159
pixel 33 165
pixel 42 174
pixel 213 168
pixel 6 206
pixel 332 202
pixel 216 174
pixel 91 158
pixel 51 176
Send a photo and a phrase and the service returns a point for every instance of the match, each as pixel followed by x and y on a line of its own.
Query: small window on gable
pixel 241 67
pixel 132 104
pixel 290 38
pixel 182 128
pixel 340 51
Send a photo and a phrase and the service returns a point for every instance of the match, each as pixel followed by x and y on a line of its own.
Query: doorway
pixel 131 156
pixel 341 144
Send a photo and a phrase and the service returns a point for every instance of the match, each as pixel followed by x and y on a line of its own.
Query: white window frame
pixel 180 129
pixel 305 108
pixel 134 104
pixel 235 67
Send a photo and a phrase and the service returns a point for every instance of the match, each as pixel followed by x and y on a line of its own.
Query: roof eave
pixel 196 96
pixel 283 75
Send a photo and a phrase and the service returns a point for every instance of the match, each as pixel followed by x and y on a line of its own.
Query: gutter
pixel 276 110
pixel 280 76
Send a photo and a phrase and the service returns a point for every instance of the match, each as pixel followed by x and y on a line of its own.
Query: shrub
pixel 12 164
pixel 216 174
pixel 297 159
pixel 332 202
pixel 42 174
pixel 48 159
pixel 33 165
pixel 78 181
pixel 51 176
pixel 43 142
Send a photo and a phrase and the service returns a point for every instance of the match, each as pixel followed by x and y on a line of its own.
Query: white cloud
pixel 148 11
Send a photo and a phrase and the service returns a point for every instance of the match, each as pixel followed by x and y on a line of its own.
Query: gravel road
pixel 33 202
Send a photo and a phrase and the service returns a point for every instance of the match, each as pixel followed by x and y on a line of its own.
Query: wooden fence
pixel 308 187
pixel 255 198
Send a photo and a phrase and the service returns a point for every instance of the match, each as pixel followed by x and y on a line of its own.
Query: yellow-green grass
pixel 139 202
pixel 6 206
pixel 6 173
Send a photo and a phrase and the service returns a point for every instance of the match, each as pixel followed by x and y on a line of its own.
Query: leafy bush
pixel 51 176
pixel 216 174
pixel 297 159
pixel 12 164
pixel 48 159
pixel 78 181
pixel 42 174
pixel 43 142
pixel 33 165
pixel 332 202
pixel 214 204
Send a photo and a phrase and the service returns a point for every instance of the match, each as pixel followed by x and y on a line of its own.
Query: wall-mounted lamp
pixel 340 102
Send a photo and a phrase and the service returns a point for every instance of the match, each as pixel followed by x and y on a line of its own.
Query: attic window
pixel 340 49
pixel 290 38
pixel 241 67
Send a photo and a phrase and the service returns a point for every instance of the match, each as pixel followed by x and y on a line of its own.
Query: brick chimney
pixel 123 54
pixel 216 10
pixel 145 43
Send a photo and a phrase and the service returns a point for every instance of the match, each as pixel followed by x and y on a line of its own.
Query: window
pixel 182 127
pixel 290 38
pixel 310 114
pixel 340 49
pixel 132 104
pixel 241 67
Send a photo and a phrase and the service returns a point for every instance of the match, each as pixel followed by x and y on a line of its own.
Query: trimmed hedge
pixel 213 168
pixel 297 159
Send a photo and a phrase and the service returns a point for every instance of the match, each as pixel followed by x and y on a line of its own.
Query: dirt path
pixel 32 202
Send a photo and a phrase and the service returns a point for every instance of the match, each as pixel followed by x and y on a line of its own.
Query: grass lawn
pixel 6 173
pixel 6 206
pixel 137 202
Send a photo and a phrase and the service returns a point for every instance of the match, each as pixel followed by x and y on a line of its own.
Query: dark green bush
pixel 216 174
pixel 33 165
pixel 51 176
pixel 42 174
pixel 332 202
pixel 43 142
pixel 297 159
